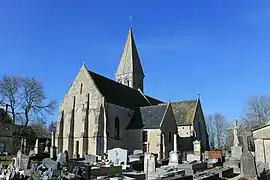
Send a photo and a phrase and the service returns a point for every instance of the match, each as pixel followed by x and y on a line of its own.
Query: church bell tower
pixel 129 71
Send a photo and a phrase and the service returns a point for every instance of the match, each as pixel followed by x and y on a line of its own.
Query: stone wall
pixel 153 137
pixel 262 150
pixel 124 116
pixel 133 140
pixel 169 128
pixel 74 110
pixel 200 128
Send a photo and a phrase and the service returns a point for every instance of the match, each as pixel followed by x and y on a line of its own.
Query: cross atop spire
pixel 130 22
pixel 198 96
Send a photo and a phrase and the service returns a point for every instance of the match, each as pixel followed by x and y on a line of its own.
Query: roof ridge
pixel 184 101
pixel 144 96
pixel 166 110
pixel 112 80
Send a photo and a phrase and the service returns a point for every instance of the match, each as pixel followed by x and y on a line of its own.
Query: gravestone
pixel 89 158
pixel 50 173
pixel 193 157
pixel 118 156
pixel 36 146
pixel 248 167
pixel 48 163
pixel 31 153
pixel 197 147
pixel 175 156
pixel 61 158
pixel 53 147
pixel 24 161
pixel 236 149
pixel 137 152
pixel 47 147
pixel 149 163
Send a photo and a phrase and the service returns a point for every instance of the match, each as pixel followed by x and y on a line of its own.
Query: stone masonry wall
pixel 82 87
pixel 124 115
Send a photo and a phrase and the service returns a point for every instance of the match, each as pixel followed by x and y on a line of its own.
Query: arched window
pixel 117 128
pixel 126 81
pixel 170 137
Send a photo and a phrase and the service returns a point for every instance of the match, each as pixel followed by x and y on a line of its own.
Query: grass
pixel 5 160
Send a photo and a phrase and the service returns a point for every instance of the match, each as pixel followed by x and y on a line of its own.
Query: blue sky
pixel 220 49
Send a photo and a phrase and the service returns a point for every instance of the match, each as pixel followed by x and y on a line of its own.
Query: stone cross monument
pixel 236 151
pixel 53 148
pixel 47 146
pixel 235 134
pixel 175 158
pixel 247 163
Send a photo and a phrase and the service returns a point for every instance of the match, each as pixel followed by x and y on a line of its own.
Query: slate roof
pixel 149 117
pixel 154 101
pixel 184 111
pixel 119 94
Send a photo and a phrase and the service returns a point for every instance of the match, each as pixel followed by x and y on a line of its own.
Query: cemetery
pixel 112 129
pixel 117 164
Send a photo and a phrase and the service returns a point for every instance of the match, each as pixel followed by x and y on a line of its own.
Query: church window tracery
pixel 117 128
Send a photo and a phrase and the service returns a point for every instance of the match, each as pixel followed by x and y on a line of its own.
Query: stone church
pixel 98 114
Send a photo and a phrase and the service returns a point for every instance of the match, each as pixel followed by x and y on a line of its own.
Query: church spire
pixel 130 71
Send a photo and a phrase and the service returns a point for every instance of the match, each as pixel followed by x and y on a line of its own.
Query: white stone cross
pixel 235 136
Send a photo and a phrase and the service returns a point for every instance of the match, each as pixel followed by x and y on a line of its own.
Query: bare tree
pixel 34 100
pixel 229 139
pixel 211 131
pixel 39 126
pixel 52 126
pixel 257 111
pixel 10 94
pixel 220 129
pixel 26 99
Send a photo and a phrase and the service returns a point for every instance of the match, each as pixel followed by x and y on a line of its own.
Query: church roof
pixel 153 101
pixel 184 111
pixel 130 61
pixel 149 117
pixel 120 94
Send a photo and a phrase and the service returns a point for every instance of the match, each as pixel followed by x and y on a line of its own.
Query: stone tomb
pixel 262 145
pixel 91 159
pixel 193 167
pixel 118 157
pixel 48 163
pixel 193 157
